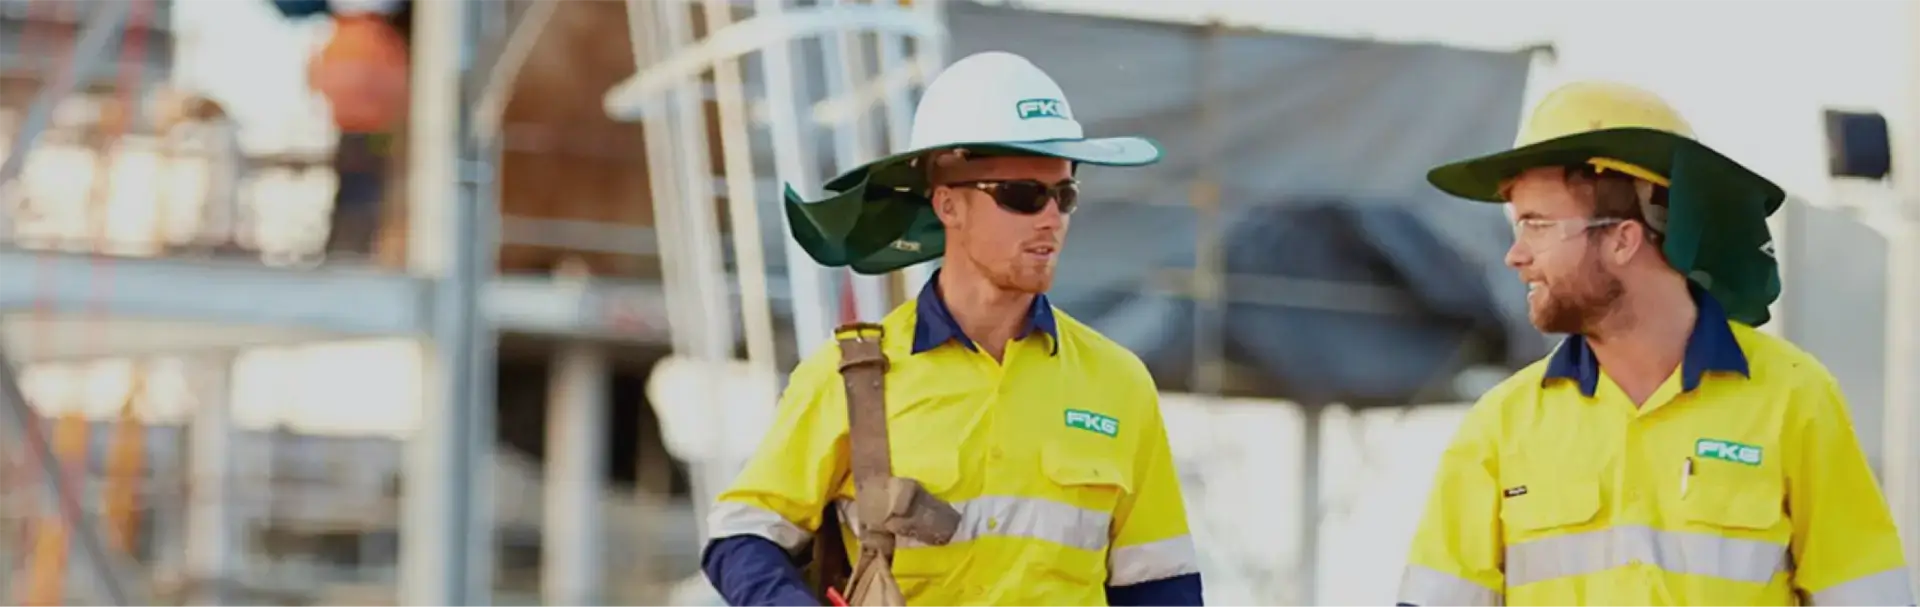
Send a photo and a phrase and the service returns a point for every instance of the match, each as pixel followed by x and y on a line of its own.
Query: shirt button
pixel 993 524
pixel 996 453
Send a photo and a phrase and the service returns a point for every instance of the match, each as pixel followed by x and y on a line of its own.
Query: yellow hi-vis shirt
pixel 1056 459
pixel 1739 482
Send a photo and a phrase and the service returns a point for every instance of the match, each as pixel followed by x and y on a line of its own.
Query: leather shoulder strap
pixel 863 368
pixel 885 507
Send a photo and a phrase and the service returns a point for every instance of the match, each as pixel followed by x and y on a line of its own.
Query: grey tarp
pixel 1320 160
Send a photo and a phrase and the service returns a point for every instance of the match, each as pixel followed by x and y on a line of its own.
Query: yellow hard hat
pixel 1716 215
pixel 1611 126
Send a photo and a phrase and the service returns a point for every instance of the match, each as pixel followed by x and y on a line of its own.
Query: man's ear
pixel 946 206
pixel 1633 239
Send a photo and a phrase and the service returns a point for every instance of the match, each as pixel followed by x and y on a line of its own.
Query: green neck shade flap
pixel 1717 235
pixel 869 228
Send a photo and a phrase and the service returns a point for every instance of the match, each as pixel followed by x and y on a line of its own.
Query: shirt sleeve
pixel 1176 590
pixel 1456 558
pixel 1846 549
pixel 793 474
pixel 1151 541
pixel 749 570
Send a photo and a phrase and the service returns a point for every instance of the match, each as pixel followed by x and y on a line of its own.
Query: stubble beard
pixel 1025 278
pixel 1579 306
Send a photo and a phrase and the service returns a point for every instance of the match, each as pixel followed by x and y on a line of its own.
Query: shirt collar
pixel 1711 347
pixel 935 325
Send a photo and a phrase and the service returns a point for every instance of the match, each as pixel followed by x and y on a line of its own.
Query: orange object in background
pixel 49 564
pixel 362 72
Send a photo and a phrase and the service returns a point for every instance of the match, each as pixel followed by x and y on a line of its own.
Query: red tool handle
pixel 833 596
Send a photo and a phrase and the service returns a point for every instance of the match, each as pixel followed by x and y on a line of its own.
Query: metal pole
pixel 928 49
pixel 703 278
pixel 899 108
pixel 447 529
pixel 749 254
pixel 664 182
pixel 705 275
pixel 852 147
pixel 492 102
pixel 571 564
pixel 736 145
pixel 478 236
pixel 1900 460
pixel 897 114
pixel 793 165
pixel 114 574
pixel 1209 276
pixel 1313 418
pixel 670 213
pixel 95 48
pixel 1905 134
pixel 680 181
pixel 750 261
pixel 1901 412
pixel 211 519
pixel 844 69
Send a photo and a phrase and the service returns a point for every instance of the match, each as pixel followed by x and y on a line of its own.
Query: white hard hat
pixel 878 218
pixel 1002 99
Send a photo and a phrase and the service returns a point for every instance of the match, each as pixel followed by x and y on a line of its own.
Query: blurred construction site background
pixel 388 302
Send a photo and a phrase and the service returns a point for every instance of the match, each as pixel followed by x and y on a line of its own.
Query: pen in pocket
pixel 1686 474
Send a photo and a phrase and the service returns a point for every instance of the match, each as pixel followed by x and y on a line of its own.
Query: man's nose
pixel 1518 254
pixel 1050 216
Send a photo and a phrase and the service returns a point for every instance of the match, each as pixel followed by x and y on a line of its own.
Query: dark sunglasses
pixel 1027 196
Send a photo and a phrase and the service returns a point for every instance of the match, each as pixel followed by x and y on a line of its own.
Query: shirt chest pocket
pixel 1081 488
pixel 1087 478
pixel 1550 508
pixel 1746 505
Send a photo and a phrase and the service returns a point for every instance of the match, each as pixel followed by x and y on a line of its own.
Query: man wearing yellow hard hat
pixel 1666 452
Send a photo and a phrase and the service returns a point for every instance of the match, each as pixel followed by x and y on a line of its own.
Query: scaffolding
pixel 873 56
pixel 451 303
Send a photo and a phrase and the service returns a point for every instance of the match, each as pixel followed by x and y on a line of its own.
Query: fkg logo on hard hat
pixel 1030 109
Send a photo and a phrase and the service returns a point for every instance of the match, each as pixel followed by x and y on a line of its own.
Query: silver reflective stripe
pixel 1675 551
pixel 1890 587
pixel 1152 561
pixel 734 518
pixel 1426 586
pixel 1019 517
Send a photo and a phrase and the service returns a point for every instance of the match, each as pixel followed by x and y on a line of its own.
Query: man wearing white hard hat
pixel 1004 453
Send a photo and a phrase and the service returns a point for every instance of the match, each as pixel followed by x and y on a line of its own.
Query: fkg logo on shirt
pixel 1093 422
pixel 1727 451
